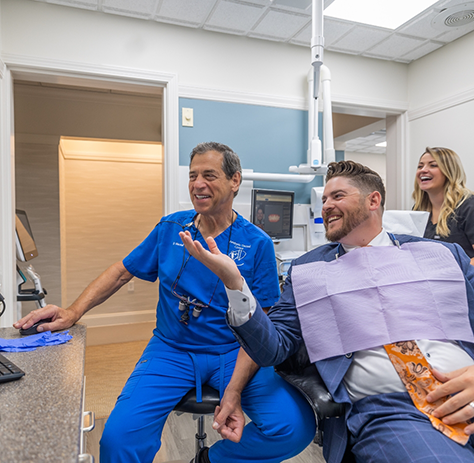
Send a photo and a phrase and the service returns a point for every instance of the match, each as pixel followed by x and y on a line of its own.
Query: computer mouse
pixel 33 329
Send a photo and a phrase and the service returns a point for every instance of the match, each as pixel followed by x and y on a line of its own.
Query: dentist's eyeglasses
pixel 185 305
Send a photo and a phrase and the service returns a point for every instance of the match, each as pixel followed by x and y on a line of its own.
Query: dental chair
pixel 298 371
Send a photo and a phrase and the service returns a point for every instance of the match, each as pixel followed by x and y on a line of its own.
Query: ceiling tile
pixel 290 21
pixel 376 150
pixel 237 16
pixel 279 24
pixel 452 34
pixel 132 8
pixel 302 5
pixel 303 37
pixel 259 2
pixel 421 27
pixel 178 22
pixel 333 30
pixel 396 46
pixel 422 51
pixel 361 38
pixel 184 11
pixel 85 4
pixel 451 3
pixel 383 57
pixel 367 144
pixel 345 51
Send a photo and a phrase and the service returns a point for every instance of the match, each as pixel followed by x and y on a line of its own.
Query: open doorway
pixel 363 139
pixel 43 113
pixel 358 131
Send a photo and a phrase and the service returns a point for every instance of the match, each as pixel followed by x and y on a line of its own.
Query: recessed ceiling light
pixel 390 14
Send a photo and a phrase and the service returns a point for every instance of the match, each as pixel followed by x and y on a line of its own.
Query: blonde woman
pixel 440 189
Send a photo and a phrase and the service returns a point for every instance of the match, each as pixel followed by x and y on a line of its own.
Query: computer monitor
pixel 25 243
pixel 272 211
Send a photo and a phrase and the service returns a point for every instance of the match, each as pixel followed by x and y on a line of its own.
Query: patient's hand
pixel 229 419
pixel 223 266
pixel 457 408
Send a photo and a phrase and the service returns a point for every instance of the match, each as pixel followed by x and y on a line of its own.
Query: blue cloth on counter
pixel 28 343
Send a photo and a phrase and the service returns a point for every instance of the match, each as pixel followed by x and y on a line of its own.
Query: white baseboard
pixel 99 335
pixel 110 328
pixel 119 318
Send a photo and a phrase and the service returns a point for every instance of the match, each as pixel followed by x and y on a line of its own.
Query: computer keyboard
pixel 8 370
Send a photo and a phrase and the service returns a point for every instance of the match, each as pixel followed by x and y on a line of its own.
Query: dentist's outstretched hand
pixel 223 266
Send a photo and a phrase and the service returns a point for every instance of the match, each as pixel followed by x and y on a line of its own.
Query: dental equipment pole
pixel 329 152
pixel 317 54
pixel 314 164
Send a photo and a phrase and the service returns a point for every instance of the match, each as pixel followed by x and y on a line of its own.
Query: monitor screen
pixel 25 243
pixel 272 211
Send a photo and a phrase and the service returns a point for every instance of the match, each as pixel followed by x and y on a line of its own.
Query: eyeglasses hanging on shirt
pixel 186 303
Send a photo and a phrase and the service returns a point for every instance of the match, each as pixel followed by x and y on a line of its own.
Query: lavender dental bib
pixel 379 295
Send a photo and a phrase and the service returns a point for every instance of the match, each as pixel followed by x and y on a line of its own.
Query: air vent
pixel 454 17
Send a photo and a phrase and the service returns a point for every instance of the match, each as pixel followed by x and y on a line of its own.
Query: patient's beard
pixel 350 220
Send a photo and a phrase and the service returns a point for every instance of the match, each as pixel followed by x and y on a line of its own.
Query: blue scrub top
pixel 162 254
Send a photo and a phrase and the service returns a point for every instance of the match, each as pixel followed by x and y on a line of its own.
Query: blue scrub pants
pixel 282 425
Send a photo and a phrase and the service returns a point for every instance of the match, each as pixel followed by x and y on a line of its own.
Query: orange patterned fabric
pixel 415 373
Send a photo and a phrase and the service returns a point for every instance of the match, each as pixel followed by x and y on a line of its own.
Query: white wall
pixel 442 74
pixel 368 82
pixel 441 94
pixel 450 128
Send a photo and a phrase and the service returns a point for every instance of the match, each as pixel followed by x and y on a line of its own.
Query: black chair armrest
pixel 311 385
pixel 298 371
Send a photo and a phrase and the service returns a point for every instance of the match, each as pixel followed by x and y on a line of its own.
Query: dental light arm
pixel 320 73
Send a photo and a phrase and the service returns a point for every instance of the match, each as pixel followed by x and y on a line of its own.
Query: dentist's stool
pixel 188 404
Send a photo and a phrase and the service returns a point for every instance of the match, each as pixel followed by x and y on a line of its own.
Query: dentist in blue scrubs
pixel 192 344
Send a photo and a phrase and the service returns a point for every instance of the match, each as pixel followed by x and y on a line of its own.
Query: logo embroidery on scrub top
pixel 239 253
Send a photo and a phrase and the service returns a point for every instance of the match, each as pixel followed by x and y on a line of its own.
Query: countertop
pixel 41 414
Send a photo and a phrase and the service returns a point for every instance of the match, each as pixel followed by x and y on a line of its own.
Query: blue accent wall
pixel 267 139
